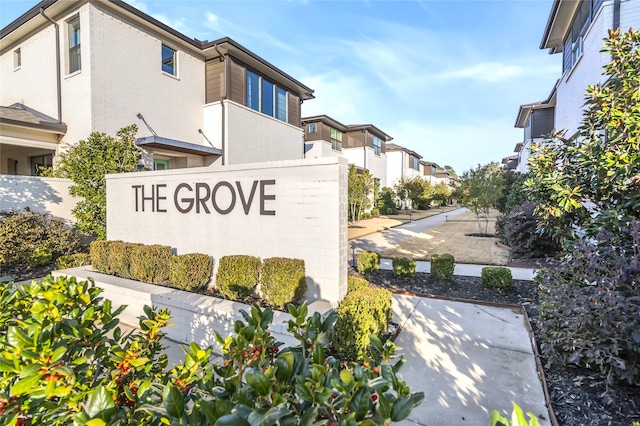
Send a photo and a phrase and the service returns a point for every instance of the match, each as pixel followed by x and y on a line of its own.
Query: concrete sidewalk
pixel 466 269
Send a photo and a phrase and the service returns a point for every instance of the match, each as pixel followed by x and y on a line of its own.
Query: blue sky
pixel 443 78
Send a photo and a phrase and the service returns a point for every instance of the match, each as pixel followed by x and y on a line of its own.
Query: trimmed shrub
pixel 282 281
pixel 365 215
pixel 404 267
pixel 362 312
pixel 120 257
pixel 73 260
pixel 190 271
pixel 496 277
pixel 150 264
pixel 99 253
pixel 375 211
pixel 355 283
pixel 521 233
pixel 368 262
pixel 237 276
pixel 31 237
pixel 442 266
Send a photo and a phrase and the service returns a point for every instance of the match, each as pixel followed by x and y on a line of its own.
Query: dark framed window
pixel 377 145
pixel 281 104
pixel 160 164
pixel 574 43
pixel 75 63
pixel 313 127
pixel 415 163
pixel 169 60
pixel 40 162
pixel 265 97
pixel 336 139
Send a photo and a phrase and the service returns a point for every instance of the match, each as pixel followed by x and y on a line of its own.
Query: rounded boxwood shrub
pixel 120 257
pixel 368 262
pixel 190 271
pixel 362 312
pixel 237 276
pixel 150 264
pixel 73 260
pixel 496 277
pixel 442 266
pixel 99 254
pixel 355 283
pixel 404 267
pixel 282 281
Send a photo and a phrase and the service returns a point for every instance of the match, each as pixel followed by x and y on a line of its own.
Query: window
pixel 377 145
pixel 169 63
pixel 415 163
pixel 336 139
pixel 75 64
pixel 40 162
pixel 160 164
pixel 17 58
pixel 313 127
pixel 266 97
pixel 573 46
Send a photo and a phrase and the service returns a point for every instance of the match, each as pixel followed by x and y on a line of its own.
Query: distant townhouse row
pixel 576 29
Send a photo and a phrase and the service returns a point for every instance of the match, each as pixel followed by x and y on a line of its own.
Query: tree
pixel 440 193
pixel 479 190
pixel 86 164
pixel 450 170
pixel 592 182
pixel 411 189
pixel 360 185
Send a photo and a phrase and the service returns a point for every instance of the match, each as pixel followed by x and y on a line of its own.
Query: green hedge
pixel 404 267
pixel 73 260
pixel 442 266
pixel 120 258
pixel 238 276
pixel 282 281
pixel 99 253
pixel 368 262
pixel 355 283
pixel 496 277
pixel 362 312
pixel 150 264
pixel 190 271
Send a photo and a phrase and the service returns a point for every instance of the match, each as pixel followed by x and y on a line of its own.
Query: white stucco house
pixel 72 67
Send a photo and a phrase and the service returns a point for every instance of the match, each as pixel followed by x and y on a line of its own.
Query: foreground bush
pixel 121 257
pixel 282 281
pixel 150 264
pixel 35 239
pixel 99 254
pixel 404 267
pixel 523 236
pixel 590 307
pixel 363 312
pixel 190 271
pixel 73 260
pixel 355 283
pixel 238 276
pixel 65 361
pixel 368 262
pixel 442 266
pixel 496 277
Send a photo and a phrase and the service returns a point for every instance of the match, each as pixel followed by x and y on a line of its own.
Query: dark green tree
pixel 479 190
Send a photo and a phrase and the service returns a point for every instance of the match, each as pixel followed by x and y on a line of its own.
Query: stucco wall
pixel 45 195
pixel 308 221
pixel 321 148
pixel 365 158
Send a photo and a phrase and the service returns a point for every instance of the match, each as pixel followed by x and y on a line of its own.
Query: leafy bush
pixel 73 260
pixel 99 253
pixel 521 232
pixel 590 306
pixel 496 277
pixel 375 211
pixel 282 281
pixel 386 201
pixel 361 313
pixel 52 374
pixel 499 229
pixel 442 266
pixel 190 271
pixel 517 418
pixel 355 283
pixel 365 215
pixel 30 237
pixel 150 264
pixel 120 258
pixel 237 276
pixel 404 267
pixel 368 262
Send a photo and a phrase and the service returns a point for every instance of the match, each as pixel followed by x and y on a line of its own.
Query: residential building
pixel 537 121
pixel 72 67
pixel 402 163
pixel 446 177
pixel 361 144
pixel 429 170
pixel 577 29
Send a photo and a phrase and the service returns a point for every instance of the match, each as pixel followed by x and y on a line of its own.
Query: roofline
pixel 402 148
pixel 367 127
pixel 323 118
pixel 58 128
pixel 550 21
pixel 197 44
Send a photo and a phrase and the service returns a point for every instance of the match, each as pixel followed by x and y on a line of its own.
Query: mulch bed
pixel 579 396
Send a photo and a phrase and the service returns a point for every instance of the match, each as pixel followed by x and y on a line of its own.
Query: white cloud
pixel 492 72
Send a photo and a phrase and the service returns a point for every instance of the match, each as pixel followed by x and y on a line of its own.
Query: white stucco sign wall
pixel 291 209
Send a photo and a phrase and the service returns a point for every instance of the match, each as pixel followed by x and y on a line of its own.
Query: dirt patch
pixel 450 237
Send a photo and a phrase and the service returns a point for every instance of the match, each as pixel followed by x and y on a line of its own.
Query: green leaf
pixel 360 403
pixel 401 408
pixel 232 419
pixel 259 381
pixel 100 403
pixel 26 385
pixel 173 401
pixel 346 376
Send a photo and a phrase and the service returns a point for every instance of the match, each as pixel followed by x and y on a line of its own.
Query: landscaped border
pixel 195 317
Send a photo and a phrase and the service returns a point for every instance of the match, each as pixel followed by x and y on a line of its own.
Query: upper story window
pixel 377 145
pixel 169 60
pixel 73 26
pixel 336 139
pixel 574 44
pixel 415 163
pixel 313 127
pixel 266 97
pixel 17 58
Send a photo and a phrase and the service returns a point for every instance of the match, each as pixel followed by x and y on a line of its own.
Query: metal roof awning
pixel 157 142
